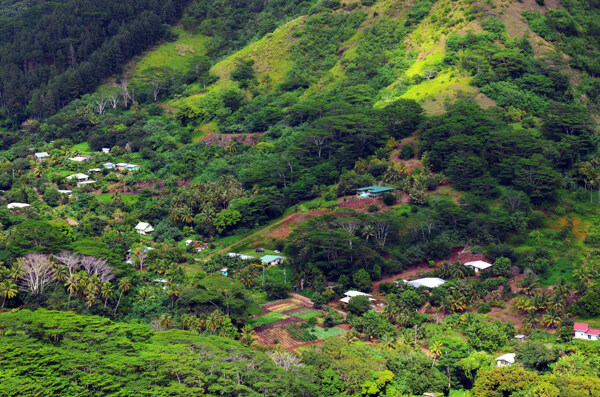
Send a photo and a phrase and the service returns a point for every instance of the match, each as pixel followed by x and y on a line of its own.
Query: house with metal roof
pixel 478 265
pixel 427 282
pixel 78 177
pixel 584 331
pixel 41 156
pixel 506 360
pixel 373 191
pixel 144 228
pixel 272 260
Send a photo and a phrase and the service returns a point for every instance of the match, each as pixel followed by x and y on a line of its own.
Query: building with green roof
pixel 374 191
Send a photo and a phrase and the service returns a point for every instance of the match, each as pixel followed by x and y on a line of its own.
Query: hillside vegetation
pixel 179 203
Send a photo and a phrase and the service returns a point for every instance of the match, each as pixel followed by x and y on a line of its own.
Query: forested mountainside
pixel 300 198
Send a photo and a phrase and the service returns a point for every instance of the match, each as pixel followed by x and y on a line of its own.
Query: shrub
pixel 484 308
pixel 407 152
pixel 389 199
pixel 359 305
pixel 373 208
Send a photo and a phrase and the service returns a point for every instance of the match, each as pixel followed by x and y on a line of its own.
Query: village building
pixel 478 265
pixel 94 170
pixel 41 156
pixel 83 183
pixel 427 282
pixel 79 159
pixel 224 272
pixel 272 260
pixel 144 228
pixel 241 256
pixel 584 331
pixel 109 166
pixel 78 177
pixel 352 293
pixel 126 167
pixel 373 191
pixel 65 191
pixel 15 206
pixel 505 360
pixel 106 150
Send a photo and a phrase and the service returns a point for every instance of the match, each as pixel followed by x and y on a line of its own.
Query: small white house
pixel 241 256
pixel 505 360
pixel 94 170
pixel 78 177
pixel 41 156
pixel 106 150
pixel 272 259
pixel 584 331
pixel 83 183
pixel 65 191
pixel 478 265
pixel 427 282
pixel 78 159
pixel 352 293
pixel 16 206
pixel 109 166
pixel 144 228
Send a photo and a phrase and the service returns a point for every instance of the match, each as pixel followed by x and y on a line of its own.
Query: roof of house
pixel 41 155
pixel 428 282
pixel 582 327
pixel 65 191
pixel 86 182
pixel 346 299
pixel 353 293
pixel 593 331
pixel 508 357
pixel 375 189
pixel 224 270
pixel 77 176
pixel 94 170
pixel 481 265
pixel 520 336
pixel 78 158
pixel 106 165
pixel 144 226
pixel 271 258
pixel 17 205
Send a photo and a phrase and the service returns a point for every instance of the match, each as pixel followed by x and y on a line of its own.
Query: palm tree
pixel 72 284
pixel 387 341
pixel 552 318
pixel 8 290
pixel 540 301
pixel 368 231
pixel 145 293
pixel 173 292
pixel 247 336
pixel 436 349
pixel 214 320
pixel 106 292
pixel 528 283
pixel 90 300
pixel 457 302
pixel 530 320
pixel 231 147
pixel 187 320
pixel 124 286
pixel 166 321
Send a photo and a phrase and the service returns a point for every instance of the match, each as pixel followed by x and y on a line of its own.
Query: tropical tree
pixel 528 283
pixel 552 318
pixel 247 336
pixel 8 290
pixel 72 285
pixel 124 285
pixel 166 321
pixel 106 291
pixel 436 349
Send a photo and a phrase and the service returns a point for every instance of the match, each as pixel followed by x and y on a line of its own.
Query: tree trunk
pixel 119 301
pixel 3 301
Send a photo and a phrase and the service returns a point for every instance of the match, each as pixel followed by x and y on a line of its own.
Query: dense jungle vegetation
pixel 245 128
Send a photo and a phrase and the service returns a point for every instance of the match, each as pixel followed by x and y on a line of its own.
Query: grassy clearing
pixel 305 314
pixel 266 319
pixel 127 198
pixel 322 333
pixel 460 393
pixel 83 148
pixel 592 321
pixel 175 55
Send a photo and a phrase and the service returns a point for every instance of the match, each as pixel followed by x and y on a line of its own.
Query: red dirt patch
pixel 418 269
pixel 141 185
pixel 224 139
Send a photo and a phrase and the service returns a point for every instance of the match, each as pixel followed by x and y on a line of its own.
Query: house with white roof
pixel 505 360
pixel 126 166
pixel 65 191
pixel 272 260
pixel 351 294
pixel 144 228
pixel 78 177
pixel 106 150
pixel 79 159
pixel 109 166
pixel 584 331
pixel 478 265
pixel 427 282
pixel 241 256
pixel 14 206
pixel 41 156
pixel 89 182
pixel 94 170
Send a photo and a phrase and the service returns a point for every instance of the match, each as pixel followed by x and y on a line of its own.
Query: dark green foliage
pixel 362 280
pixel 389 199
pixel 407 152
pixel 536 355
pixel 359 305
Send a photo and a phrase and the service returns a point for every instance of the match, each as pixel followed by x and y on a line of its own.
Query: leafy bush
pixel 484 308
pixel 389 199
pixel 407 152
pixel 373 208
